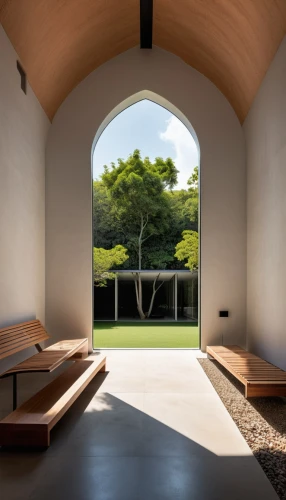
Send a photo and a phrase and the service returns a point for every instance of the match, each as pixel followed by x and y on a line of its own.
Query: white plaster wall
pixel 23 134
pixel 223 190
pixel 265 131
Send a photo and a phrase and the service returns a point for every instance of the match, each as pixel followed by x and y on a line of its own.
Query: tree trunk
pixel 137 279
pixel 138 290
pixel 155 290
pixel 138 282
pixel 142 226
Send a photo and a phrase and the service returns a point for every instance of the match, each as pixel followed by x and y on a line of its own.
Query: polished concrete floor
pixel 150 428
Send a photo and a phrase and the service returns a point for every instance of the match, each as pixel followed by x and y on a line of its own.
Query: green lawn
pixel 145 334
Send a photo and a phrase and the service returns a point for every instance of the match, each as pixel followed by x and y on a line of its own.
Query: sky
pixel 152 129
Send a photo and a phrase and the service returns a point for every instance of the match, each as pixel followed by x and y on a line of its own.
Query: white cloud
pixel 186 153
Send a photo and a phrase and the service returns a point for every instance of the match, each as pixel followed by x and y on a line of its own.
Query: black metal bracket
pixel 38 347
pixel 14 377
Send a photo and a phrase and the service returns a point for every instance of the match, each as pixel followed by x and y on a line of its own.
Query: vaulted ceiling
pixel 59 42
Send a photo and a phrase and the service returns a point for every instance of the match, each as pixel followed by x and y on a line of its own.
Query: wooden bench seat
pixel 31 423
pixel 259 377
pixel 50 358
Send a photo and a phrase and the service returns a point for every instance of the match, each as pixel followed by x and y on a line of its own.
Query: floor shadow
pixel 105 448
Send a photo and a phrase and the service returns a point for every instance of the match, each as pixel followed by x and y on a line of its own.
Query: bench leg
pixel 14 391
pixel 102 369
pixel 24 435
pixel 81 354
pixel 260 390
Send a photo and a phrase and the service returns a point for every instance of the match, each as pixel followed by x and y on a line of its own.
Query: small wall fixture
pixel 223 314
pixel 23 77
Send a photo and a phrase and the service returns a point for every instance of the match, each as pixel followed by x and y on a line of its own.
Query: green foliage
pixel 160 258
pixel 106 233
pixel 117 220
pixel 191 209
pixel 104 260
pixel 188 249
pixel 192 204
pixel 136 189
pixel 136 186
pixel 193 181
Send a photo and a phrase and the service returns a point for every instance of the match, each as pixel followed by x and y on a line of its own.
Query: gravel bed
pixel 262 422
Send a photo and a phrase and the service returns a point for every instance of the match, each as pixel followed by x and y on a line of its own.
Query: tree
pixel 137 189
pixel 109 228
pixel 192 203
pixel 104 260
pixel 188 249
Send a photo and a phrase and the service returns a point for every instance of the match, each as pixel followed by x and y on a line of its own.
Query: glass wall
pixel 164 302
pixel 178 294
pixel 188 298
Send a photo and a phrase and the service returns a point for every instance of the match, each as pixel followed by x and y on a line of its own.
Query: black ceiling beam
pixel 146 24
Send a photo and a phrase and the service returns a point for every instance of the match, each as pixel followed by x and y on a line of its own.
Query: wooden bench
pixel 18 337
pixel 259 377
pixel 31 423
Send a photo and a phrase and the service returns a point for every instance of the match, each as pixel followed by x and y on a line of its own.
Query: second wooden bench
pixel 259 377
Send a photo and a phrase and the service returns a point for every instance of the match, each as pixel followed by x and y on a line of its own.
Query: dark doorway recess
pixel 103 301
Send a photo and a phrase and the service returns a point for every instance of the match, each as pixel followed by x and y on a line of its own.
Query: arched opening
pixel 154 283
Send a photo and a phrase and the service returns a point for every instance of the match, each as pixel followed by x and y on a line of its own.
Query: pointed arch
pixel 140 96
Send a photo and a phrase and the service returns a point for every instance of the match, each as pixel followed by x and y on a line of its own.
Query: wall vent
pixel 223 314
pixel 23 77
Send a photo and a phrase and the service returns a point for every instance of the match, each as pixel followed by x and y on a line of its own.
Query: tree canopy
pixel 104 260
pixel 187 249
pixel 136 189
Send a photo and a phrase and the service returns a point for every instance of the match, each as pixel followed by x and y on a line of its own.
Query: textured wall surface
pixel 193 98
pixel 265 131
pixel 23 135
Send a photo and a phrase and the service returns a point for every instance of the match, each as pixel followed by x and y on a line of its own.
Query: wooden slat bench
pixel 31 423
pixel 18 337
pixel 259 377
pixel 38 415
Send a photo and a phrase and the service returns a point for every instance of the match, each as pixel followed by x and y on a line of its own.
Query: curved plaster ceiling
pixel 59 42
